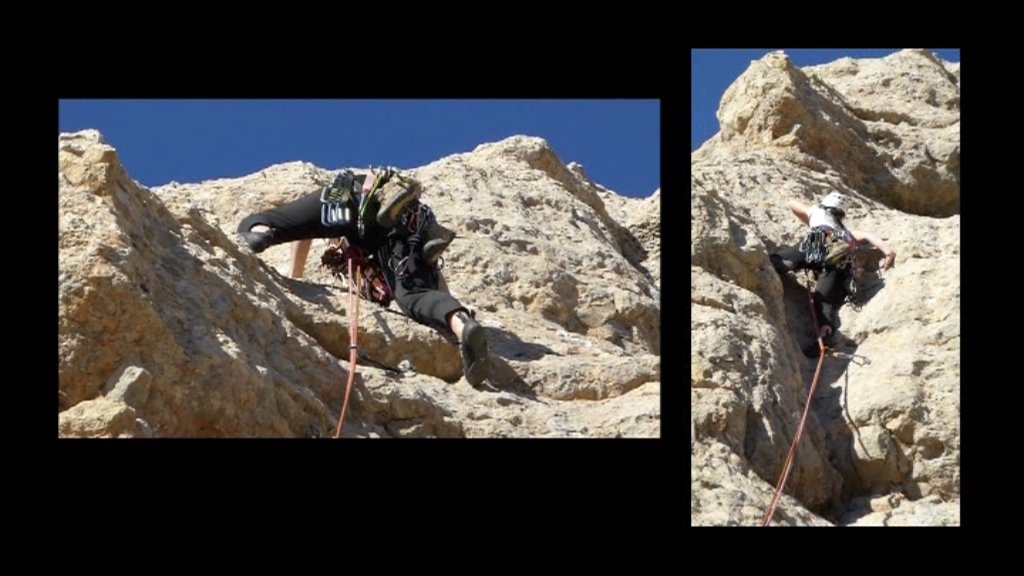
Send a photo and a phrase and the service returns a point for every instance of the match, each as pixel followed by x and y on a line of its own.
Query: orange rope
pixel 803 420
pixel 353 335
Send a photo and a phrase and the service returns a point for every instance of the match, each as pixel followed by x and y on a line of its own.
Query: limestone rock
pixel 885 417
pixel 102 418
pixel 725 492
pixel 130 386
pixel 887 128
pixel 169 326
pixel 893 510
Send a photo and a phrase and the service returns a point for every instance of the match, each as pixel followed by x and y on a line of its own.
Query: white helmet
pixel 836 201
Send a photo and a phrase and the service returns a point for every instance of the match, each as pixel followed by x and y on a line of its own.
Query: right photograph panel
pixel 825 287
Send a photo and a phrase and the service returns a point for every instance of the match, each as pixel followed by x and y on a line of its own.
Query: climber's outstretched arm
pixel 800 210
pixel 890 254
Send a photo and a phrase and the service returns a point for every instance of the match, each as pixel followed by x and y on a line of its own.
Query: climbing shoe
pixel 476 359
pixel 258 241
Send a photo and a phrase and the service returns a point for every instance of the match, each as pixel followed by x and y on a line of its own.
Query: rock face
pixel 169 326
pixel 888 128
pixel 885 419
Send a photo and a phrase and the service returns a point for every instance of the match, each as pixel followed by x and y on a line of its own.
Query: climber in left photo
pixel 358 269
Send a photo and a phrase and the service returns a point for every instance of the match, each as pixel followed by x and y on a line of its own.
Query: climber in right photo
pixel 825 287
pixel 829 250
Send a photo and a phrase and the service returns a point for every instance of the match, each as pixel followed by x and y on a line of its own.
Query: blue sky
pixel 617 141
pixel 713 70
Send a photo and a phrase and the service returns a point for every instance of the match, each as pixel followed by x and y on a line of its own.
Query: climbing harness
pixel 349 198
pixel 803 420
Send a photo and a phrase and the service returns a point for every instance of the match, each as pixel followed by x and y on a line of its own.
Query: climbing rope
pixel 803 420
pixel 353 335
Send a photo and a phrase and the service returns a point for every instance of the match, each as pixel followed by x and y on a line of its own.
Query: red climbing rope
pixel 353 335
pixel 803 420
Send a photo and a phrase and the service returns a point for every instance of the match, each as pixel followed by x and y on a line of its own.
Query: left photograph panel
pixel 359 269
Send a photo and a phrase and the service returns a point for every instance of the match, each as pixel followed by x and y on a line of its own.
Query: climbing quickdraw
pixel 813 245
pixel 824 246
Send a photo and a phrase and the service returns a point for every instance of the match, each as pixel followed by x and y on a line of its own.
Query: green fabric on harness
pixel 369 203
pixel 837 251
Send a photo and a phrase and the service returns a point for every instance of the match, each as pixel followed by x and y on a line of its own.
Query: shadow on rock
pixel 505 379
pixel 509 346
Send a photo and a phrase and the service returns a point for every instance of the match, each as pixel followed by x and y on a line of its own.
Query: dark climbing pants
pixel 829 291
pixel 416 289
pixel 297 220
